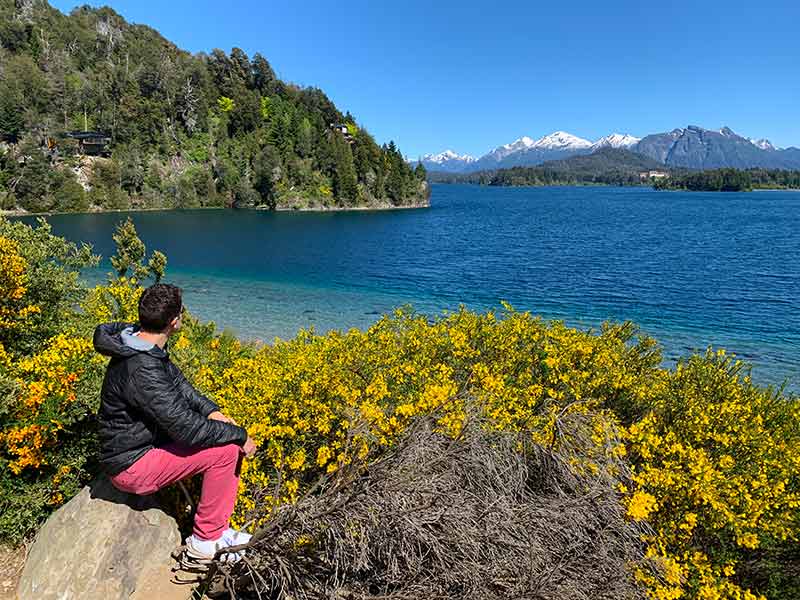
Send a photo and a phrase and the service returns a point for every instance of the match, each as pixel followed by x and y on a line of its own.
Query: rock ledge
pixel 103 545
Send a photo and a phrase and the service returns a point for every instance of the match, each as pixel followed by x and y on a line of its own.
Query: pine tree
pixel 130 251
pixel 263 75
pixel 11 121
pixel 157 265
pixel 345 183
pixel 266 172
pixel 303 135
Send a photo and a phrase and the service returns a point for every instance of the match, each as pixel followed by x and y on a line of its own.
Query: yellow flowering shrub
pixel 47 392
pixel 49 376
pixel 47 434
pixel 716 464
pixel 118 300
pixel 714 458
pixel 14 311
pixel 317 401
pixel 39 285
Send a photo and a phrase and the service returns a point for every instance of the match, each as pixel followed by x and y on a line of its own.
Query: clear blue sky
pixel 472 75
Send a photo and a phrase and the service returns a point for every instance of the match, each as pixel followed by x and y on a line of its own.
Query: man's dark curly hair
pixel 158 305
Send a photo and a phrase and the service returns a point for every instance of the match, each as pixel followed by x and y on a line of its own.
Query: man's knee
pixel 229 452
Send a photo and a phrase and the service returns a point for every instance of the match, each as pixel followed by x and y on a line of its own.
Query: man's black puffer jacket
pixel 146 402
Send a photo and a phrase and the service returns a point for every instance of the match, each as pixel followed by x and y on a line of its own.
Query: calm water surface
pixel 692 269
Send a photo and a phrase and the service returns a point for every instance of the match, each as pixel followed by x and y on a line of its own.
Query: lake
pixel 692 269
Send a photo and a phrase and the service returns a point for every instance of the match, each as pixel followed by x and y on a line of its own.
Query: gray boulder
pixel 105 545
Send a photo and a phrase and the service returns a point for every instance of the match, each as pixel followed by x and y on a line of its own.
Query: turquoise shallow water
pixel 692 269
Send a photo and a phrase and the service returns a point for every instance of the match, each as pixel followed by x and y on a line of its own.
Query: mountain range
pixel 606 165
pixel 691 148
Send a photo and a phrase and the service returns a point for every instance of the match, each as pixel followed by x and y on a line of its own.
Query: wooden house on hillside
pixel 92 143
pixel 344 130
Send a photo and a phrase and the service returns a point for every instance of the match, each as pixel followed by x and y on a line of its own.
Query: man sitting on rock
pixel 156 429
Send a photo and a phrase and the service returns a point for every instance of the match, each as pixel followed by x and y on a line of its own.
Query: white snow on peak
pixel 517 145
pixel 763 143
pixel 615 140
pixel 561 140
pixel 558 140
pixel 523 142
pixel 448 156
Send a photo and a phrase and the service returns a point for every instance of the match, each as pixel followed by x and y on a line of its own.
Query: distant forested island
pixel 730 180
pixel 100 114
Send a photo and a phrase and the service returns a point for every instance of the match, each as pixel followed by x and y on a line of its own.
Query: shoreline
pixel 728 191
pixel 24 213
pixel 596 184
pixel 592 184
pixel 344 208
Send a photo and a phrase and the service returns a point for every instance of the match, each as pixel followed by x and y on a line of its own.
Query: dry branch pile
pixel 489 515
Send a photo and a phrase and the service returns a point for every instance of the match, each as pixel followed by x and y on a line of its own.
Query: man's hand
pixel 249 447
pixel 218 416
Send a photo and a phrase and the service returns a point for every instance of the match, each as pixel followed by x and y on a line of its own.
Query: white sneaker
pixel 205 550
pixel 234 537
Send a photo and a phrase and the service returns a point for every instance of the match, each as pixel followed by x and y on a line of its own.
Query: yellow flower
pixel 641 505
pixel 748 540
pixel 324 454
pixel 14 312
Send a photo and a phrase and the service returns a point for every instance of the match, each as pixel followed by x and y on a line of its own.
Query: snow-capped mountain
pixel 526 151
pixel 616 140
pixel 501 152
pixel 763 143
pixel 561 140
pixel 448 161
pixel 448 156
pixel 558 140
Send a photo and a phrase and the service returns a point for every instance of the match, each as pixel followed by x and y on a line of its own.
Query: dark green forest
pixel 608 166
pixel 179 130
pixel 731 180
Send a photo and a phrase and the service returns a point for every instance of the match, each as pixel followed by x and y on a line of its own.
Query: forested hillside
pixel 172 129
pixel 731 180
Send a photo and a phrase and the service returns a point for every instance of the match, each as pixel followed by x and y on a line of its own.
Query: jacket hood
pixel 110 340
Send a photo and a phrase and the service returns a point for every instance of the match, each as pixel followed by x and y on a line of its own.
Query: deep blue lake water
pixel 692 269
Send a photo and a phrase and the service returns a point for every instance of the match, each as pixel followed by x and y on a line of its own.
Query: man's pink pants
pixel 160 467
